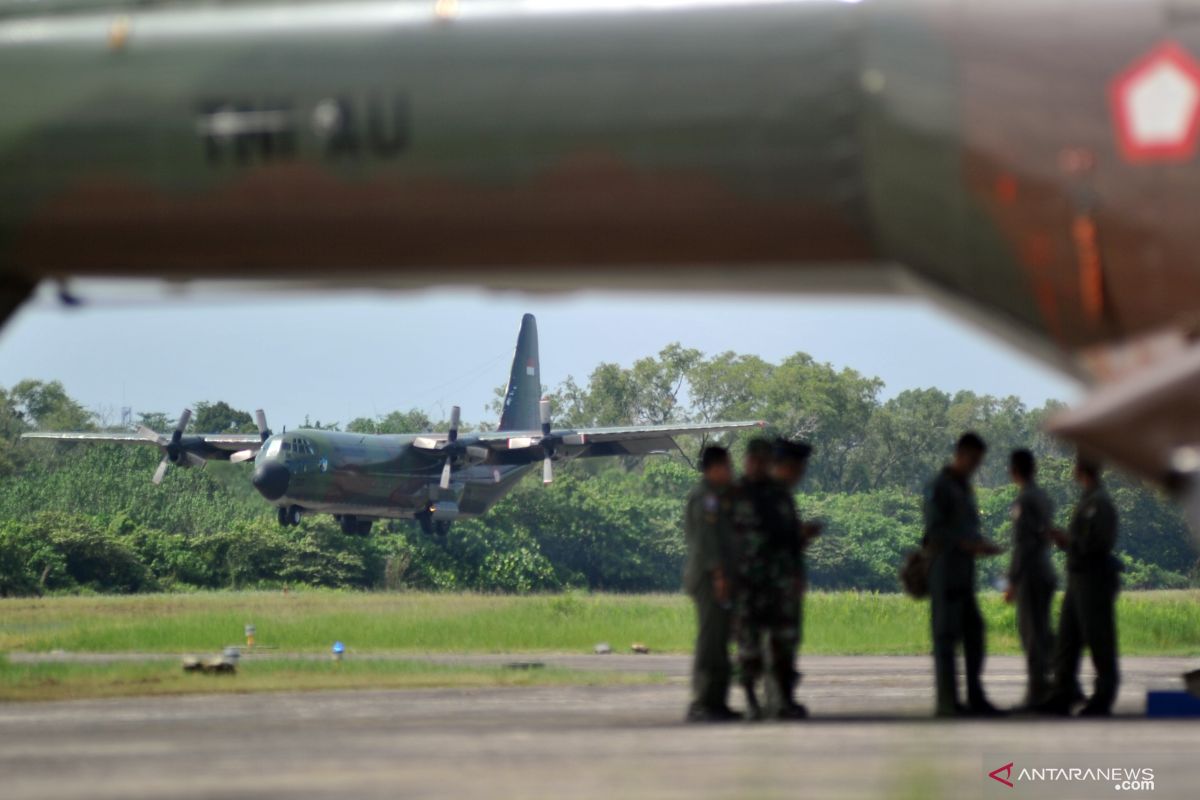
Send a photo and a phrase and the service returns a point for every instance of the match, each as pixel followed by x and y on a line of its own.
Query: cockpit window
pixel 273 448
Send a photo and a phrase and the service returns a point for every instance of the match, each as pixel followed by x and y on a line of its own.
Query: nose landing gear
pixel 430 526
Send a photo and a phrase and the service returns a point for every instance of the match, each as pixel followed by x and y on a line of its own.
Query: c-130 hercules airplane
pixel 432 477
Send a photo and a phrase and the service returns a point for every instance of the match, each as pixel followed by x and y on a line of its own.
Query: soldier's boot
pixel 788 708
pixel 1039 690
pixel 977 703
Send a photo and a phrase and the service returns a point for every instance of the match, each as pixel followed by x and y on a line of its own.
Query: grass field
pixel 1151 623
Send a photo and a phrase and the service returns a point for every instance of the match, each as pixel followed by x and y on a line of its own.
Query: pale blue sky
pixel 343 355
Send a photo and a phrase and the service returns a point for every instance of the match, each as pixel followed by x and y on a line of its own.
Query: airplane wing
pixel 78 436
pixel 231 442
pixel 190 450
pixel 612 441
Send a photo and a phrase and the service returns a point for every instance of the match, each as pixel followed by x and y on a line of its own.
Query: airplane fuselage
pixel 371 476
pixel 559 144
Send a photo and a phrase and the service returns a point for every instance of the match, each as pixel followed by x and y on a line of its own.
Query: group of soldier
pixel 746 574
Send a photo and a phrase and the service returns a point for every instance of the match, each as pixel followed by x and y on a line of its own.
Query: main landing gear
pixel 352 525
pixel 290 515
pixel 429 527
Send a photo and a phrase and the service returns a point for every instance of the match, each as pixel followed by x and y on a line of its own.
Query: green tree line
pixel 87 518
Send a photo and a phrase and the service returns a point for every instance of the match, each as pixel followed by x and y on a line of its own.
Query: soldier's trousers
pixel 711 670
pixel 955 618
pixel 1033 624
pixel 1088 620
pixel 781 632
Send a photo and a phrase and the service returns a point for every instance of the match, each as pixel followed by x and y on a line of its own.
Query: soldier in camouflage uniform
pixel 1088 616
pixel 707 578
pixel 791 464
pixel 769 555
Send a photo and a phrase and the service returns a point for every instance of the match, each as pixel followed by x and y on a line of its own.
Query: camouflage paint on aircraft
pixel 433 477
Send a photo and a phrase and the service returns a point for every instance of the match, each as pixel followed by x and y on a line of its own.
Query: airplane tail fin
pixel 524 383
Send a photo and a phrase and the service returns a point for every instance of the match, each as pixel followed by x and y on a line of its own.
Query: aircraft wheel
pixel 295 514
pixel 349 524
pixel 425 520
pixel 441 528
pixel 283 517
pixel 363 528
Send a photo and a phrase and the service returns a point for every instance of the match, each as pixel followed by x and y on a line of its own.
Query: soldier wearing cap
pixel 707 578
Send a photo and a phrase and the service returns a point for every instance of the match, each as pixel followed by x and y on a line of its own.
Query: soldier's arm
pixel 938 508
pixel 798 537
pixel 691 525
pixel 707 531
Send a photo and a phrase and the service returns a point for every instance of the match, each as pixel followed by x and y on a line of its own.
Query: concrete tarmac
pixel 870 736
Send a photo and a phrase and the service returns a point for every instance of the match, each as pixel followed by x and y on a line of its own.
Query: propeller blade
pixel 184 419
pixel 161 471
pixel 445 482
pixel 260 417
pixel 241 455
pixel 152 436
pixel 195 460
pixel 455 418
pixel 547 441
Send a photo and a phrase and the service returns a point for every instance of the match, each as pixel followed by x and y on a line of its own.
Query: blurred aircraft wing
pixel 1146 421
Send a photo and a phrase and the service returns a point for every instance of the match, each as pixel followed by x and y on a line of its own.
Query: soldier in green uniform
pixel 1031 577
pixel 1088 617
pixel 952 533
pixel 707 578
pixel 769 548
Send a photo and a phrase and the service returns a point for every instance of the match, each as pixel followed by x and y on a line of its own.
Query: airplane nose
pixel 271 479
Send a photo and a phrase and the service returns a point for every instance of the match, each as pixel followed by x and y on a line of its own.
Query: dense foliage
pixel 87 518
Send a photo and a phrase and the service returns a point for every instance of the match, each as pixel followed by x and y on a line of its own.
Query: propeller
pixel 172 447
pixel 264 433
pixel 451 440
pixel 547 442
pixel 260 417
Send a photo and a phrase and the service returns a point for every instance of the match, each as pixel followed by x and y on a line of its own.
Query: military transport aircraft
pixel 1031 162
pixel 432 477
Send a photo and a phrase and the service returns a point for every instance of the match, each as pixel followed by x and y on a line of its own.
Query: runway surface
pixel 870 736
